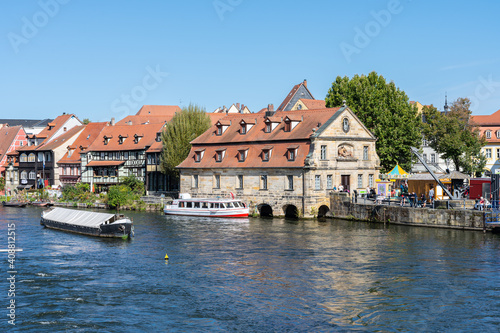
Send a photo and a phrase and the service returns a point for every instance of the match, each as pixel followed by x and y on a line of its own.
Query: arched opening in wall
pixel 322 211
pixel 291 212
pixel 265 210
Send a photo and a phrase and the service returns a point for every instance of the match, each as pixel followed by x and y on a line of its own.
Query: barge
pixel 88 223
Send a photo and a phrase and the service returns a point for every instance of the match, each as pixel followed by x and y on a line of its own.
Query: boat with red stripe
pixel 216 207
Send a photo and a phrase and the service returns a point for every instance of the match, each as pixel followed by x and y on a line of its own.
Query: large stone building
pixel 489 126
pixel 284 162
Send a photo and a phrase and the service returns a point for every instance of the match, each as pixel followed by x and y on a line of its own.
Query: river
pixel 249 275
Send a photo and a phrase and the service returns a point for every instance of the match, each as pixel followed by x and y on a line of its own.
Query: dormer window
pixel 292 152
pixel 243 129
pixel 266 153
pixel 221 127
pixel 198 155
pixel 121 139
pixel 158 137
pixel 137 138
pixel 488 134
pixel 242 154
pixel 245 126
pixel 219 155
pixel 498 134
pixel 106 140
pixel 288 125
pixel 268 127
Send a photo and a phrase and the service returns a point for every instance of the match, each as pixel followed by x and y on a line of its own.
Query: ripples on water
pixel 253 275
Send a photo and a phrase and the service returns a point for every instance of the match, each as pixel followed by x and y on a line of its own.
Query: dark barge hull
pixel 14 204
pixel 114 230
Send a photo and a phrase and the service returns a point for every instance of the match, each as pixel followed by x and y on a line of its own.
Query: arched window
pixel 32 175
pixel 23 158
pixel 24 175
pixel 31 157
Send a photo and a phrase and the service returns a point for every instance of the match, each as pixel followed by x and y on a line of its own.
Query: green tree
pixel 184 127
pixel 2 183
pixel 454 137
pixel 86 121
pixel 134 184
pixel 385 110
pixel 118 195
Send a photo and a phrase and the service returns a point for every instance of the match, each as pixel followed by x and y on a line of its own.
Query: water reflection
pixel 255 275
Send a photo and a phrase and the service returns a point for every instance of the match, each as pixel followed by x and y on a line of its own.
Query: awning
pixel 105 163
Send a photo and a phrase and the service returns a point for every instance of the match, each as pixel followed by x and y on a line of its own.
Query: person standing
pixel 431 196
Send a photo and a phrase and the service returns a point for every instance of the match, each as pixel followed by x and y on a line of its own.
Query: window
pixel 288 125
pixel 289 179
pixel 242 155
pixel 32 175
pixel 126 155
pixel 197 156
pixel 15 176
pixel 243 129
pixel 216 181
pixel 317 182
pixel 265 155
pixel 268 127
pixel 24 175
pixel 488 134
pixel 219 129
pixel 433 158
pixel 31 157
pixel 425 157
pixel 370 180
pixel 263 182
pixel 323 152
pixel 121 139
pixel 360 181
pixel 291 154
pixel 498 153
pixel 23 158
pixel 106 140
pixel 424 142
pixel 195 181
pixel 329 182
pixel 365 153
pixel 240 182
pixel 488 152
pixel 218 156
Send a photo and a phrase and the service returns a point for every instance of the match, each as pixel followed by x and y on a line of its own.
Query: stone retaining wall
pixel 342 207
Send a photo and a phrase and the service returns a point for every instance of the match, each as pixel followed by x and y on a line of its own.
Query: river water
pixel 250 275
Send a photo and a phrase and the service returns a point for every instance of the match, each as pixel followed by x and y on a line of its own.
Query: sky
pixel 105 59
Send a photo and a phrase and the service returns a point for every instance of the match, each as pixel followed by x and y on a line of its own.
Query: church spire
pixel 446 107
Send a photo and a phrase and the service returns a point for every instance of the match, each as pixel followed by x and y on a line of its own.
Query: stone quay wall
pixel 341 206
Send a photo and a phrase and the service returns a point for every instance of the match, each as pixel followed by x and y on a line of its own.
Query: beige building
pixel 282 163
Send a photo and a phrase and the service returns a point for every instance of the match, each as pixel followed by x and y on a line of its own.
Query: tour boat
pixel 88 223
pixel 14 204
pixel 218 207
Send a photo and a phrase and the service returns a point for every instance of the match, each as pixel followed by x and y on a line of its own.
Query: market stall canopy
pixel 397 173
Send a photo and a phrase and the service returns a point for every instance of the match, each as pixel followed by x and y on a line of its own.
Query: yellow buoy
pixel 166 256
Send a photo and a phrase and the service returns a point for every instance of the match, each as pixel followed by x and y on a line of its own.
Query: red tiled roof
pixel 53 127
pixel 279 156
pixel 7 137
pixel 156 147
pixel 485 120
pixel 105 163
pixel 86 137
pixel 311 119
pixel 148 132
pixel 314 103
pixel 290 96
pixel 158 110
pixel 61 139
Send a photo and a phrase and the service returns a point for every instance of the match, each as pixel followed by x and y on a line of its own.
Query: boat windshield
pixel 196 204
pixel 229 205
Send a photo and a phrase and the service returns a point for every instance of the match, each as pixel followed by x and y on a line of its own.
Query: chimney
pixel 64 129
pixel 270 110
pixel 112 122
pixel 305 83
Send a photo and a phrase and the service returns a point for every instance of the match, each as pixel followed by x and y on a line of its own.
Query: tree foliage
pixel 118 196
pixel 2 183
pixel 454 137
pixel 385 110
pixel 134 184
pixel 184 127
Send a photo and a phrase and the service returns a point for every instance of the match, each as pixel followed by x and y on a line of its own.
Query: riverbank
pixel 466 219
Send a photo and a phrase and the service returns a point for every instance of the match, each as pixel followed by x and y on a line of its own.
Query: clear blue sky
pixel 83 57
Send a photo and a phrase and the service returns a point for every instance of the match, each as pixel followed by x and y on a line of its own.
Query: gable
pixel 344 124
